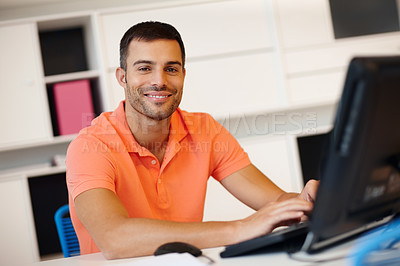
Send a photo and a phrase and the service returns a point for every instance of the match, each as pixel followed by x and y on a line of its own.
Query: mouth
pixel 158 96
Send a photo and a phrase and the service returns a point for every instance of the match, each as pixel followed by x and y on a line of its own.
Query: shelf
pixel 72 76
pixel 29 171
pixel 64 138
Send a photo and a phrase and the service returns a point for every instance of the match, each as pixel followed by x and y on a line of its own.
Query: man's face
pixel 154 77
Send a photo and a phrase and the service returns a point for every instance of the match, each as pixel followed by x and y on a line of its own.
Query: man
pixel 137 176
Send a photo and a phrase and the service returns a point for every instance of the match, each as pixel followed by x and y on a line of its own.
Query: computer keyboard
pixel 289 239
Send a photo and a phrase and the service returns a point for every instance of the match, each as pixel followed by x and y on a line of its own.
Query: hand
pixel 272 215
pixel 309 191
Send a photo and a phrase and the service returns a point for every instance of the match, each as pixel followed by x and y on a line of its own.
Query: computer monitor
pixel 360 172
pixel 360 178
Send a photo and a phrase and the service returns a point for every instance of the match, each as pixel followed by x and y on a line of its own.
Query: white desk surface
pixel 278 258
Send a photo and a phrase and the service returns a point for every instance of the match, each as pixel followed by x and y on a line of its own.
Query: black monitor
pixel 360 178
pixel 360 172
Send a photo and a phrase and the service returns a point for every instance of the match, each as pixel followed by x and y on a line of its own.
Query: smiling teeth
pixel 158 97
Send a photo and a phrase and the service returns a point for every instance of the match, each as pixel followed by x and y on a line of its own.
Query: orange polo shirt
pixel 106 155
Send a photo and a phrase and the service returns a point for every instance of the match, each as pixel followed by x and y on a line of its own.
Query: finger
pixel 290 222
pixel 290 205
pixel 288 202
pixel 309 192
pixel 286 218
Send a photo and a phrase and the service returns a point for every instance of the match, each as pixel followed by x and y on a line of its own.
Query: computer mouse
pixel 178 247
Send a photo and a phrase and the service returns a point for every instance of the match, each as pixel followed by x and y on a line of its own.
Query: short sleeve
pixel 89 165
pixel 227 156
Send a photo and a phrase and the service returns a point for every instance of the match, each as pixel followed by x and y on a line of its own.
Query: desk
pixel 278 258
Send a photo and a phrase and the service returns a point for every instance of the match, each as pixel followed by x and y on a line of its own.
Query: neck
pixel 149 133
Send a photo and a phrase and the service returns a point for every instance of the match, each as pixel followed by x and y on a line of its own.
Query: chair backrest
pixel 66 232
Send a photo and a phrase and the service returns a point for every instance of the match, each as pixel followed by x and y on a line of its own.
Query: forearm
pixel 117 235
pixel 140 236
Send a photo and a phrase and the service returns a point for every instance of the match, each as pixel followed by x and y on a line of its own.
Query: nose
pixel 159 79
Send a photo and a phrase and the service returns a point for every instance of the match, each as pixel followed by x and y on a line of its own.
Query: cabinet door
pixel 316 89
pixel 24 112
pixel 16 226
pixel 274 156
pixel 337 55
pixel 304 23
pixel 226 87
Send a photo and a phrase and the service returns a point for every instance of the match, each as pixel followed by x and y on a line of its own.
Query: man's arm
pixel 254 189
pixel 119 236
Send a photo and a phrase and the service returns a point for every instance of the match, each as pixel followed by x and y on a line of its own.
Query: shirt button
pixel 154 162
pixel 159 181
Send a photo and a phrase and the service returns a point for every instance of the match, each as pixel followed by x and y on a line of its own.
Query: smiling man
pixel 137 177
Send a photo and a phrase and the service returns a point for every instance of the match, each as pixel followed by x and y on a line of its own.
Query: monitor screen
pixel 311 153
pixel 363 17
pixel 360 178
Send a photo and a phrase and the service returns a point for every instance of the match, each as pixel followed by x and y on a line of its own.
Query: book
pixel 73 104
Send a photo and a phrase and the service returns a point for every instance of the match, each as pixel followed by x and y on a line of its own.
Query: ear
pixel 121 77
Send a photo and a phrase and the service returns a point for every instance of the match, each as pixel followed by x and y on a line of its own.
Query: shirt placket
pixel 164 200
pixel 162 193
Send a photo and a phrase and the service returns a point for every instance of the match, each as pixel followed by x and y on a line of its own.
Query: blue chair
pixel 66 232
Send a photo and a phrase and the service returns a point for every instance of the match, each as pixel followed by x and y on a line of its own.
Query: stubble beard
pixel 137 101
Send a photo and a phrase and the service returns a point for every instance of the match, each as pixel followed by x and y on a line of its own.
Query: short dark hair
pixel 148 31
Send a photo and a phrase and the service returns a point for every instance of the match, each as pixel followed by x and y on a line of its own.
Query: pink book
pixel 74 106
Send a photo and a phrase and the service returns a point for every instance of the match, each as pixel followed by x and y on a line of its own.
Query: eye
pixel 171 69
pixel 144 69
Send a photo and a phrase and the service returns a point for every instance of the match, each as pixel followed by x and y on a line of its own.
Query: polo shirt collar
pixel 178 130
